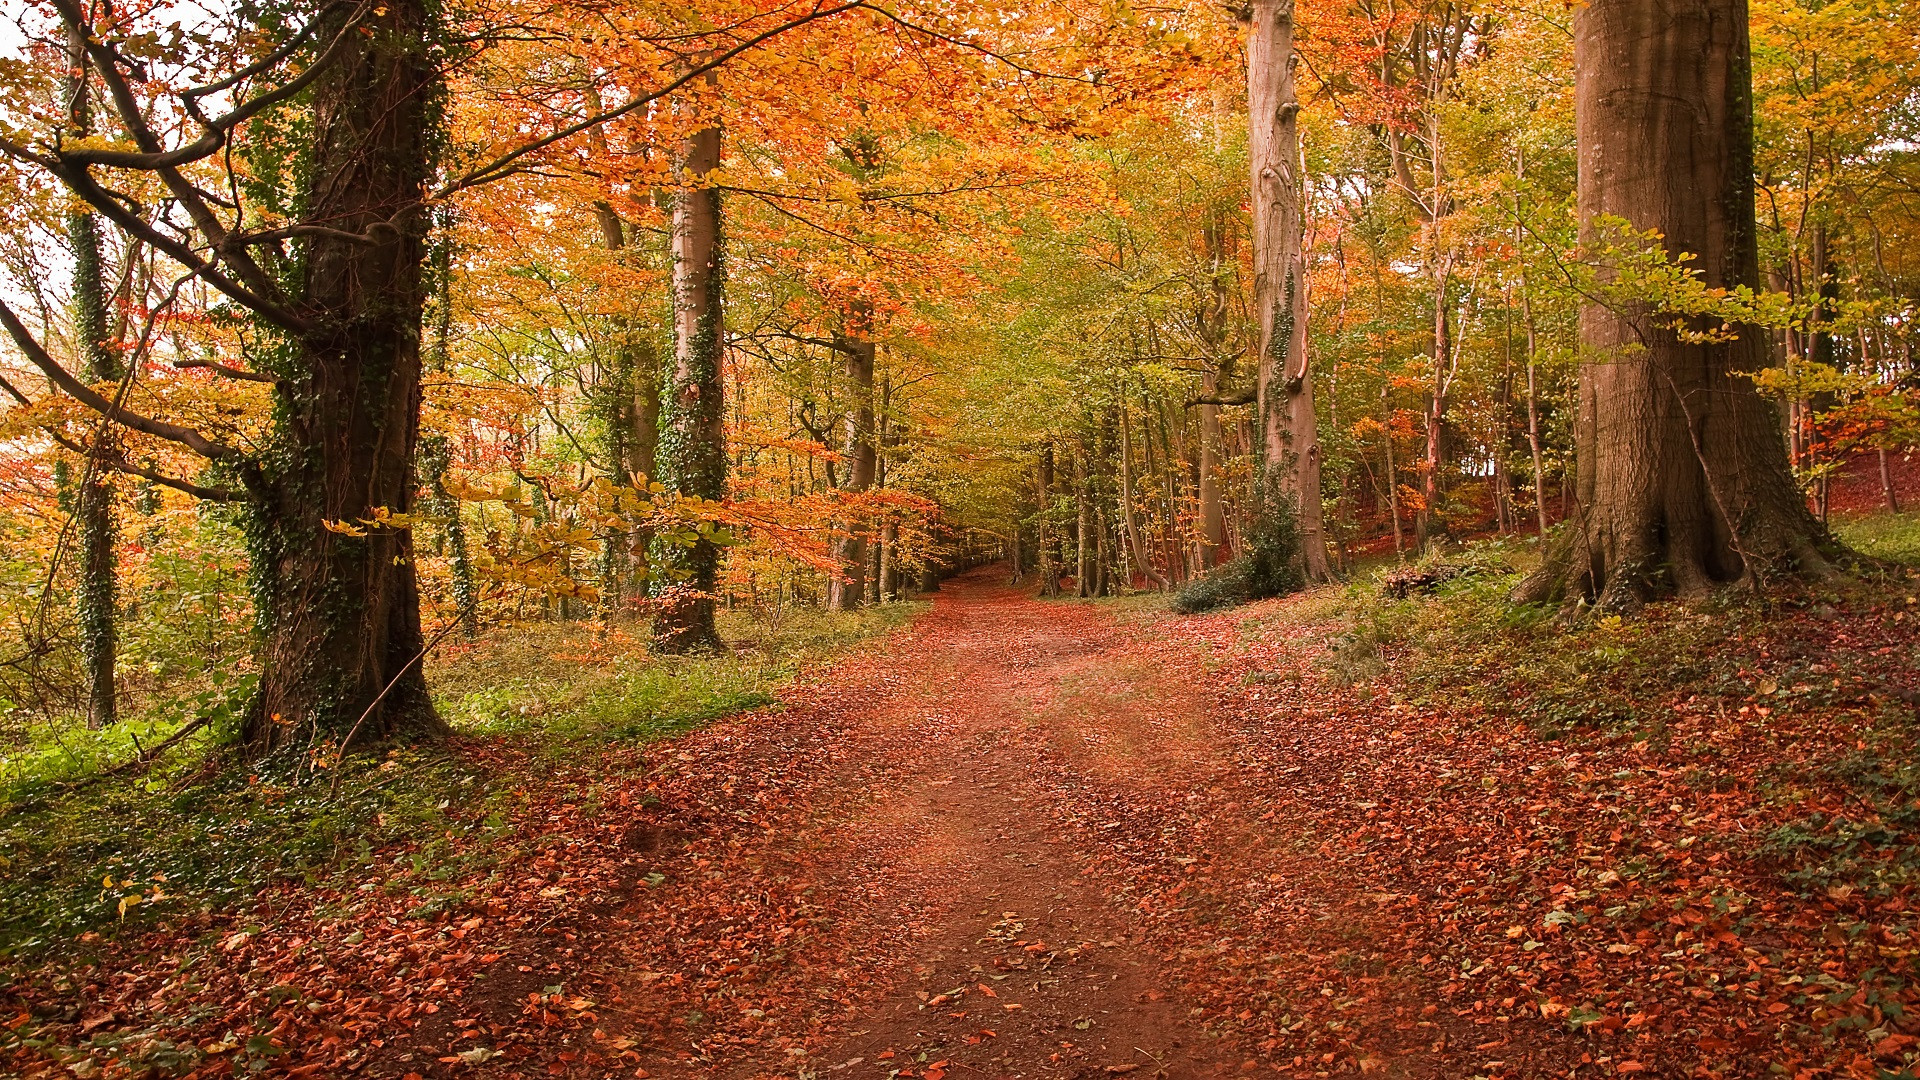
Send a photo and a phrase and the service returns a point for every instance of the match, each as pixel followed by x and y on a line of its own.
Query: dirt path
pixel 982 841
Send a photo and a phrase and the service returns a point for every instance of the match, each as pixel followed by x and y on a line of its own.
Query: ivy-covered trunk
pixel 340 612
pixel 97 535
pixel 693 451
pixel 627 396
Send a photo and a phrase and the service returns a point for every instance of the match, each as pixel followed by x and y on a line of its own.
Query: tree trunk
pixel 435 456
pixel 1127 520
pixel 693 450
pixel 1290 442
pixel 1683 483
pixel 1502 479
pixel 93 508
pixel 629 392
pixel 1393 476
pixel 1213 514
pixel 1436 403
pixel 889 564
pixel 1526 318
pixel 340 614
pixel 1043 495
pixel 1083 528
pixel 1533 417
pixel 845 592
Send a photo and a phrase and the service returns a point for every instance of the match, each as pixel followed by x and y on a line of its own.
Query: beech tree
pixel 1289 432
pixel 693 454
pixel 1683 483
pixel 93 505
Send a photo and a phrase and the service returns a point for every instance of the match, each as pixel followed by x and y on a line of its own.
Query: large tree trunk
pixel 1290 441
pixel 98 553
pixel 693 452
pixel 1683 482
pixel 845 592
pixel 340 614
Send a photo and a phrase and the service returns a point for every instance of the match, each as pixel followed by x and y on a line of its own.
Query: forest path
pixel 1002 846
pixel 1025 967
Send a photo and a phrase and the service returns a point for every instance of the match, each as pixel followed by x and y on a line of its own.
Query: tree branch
pixel 88 396
pixel 231 372
pixel 500 167
pixel 1224 397
pixel 118 463
pixel 215 131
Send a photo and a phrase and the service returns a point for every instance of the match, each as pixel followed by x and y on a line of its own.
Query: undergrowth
pixel 85 853
pixel 1808 665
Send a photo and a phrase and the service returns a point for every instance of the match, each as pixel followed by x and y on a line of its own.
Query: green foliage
pixel 1460 638
pixel 176 843
pixel 50 757
pixel 1273 544
pixel 1271 566
pixel 1226 586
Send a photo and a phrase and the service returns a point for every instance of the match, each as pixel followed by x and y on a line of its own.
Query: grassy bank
pixel 86 854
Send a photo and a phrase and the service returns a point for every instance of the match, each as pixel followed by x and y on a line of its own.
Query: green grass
pixel 200 833
pixel 1894 537
pixel 1466 642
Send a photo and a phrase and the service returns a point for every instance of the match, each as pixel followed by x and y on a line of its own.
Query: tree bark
pixel 845 592
pixel 1683 482
pixel 340 614
pixel 1213 514
pixel 889 563
pixel 1436 402
pixel 692 444
pixel 629 389
pixel 1043 503
pixel 1533 416
pixel 1393 476
pixel 1290 442
pixel 1526 318
pixel 98 548
pixel 1127 518
pixel 1083 526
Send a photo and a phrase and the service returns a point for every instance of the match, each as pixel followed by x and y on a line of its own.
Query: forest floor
pixel 1052 838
